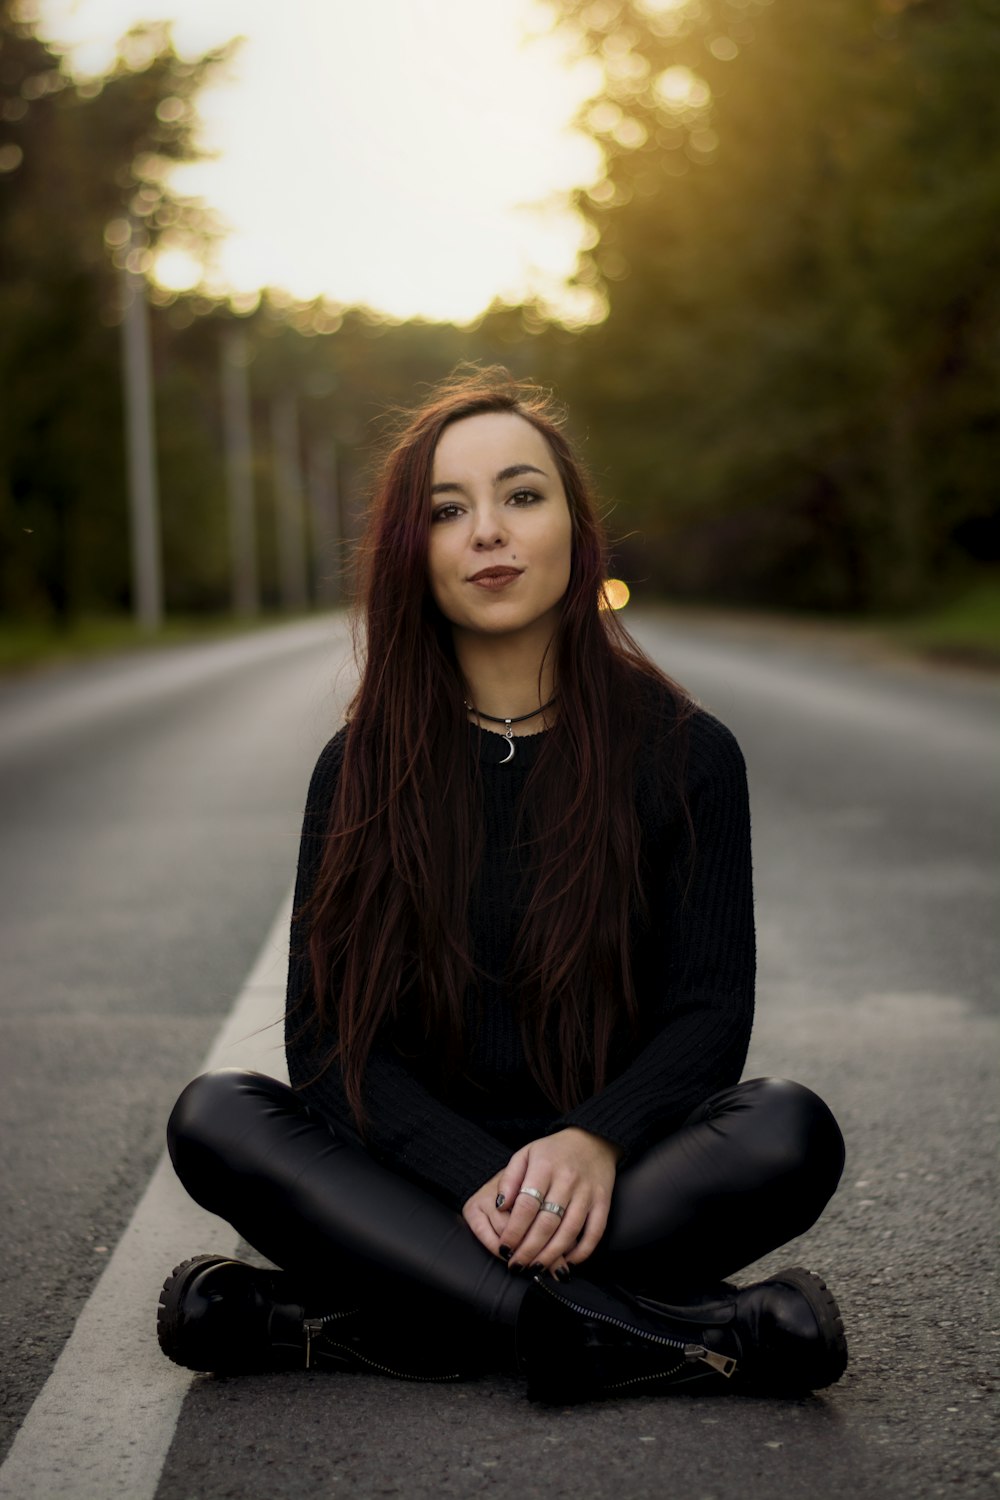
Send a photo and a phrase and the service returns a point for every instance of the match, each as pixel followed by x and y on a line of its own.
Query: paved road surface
pixel 150 811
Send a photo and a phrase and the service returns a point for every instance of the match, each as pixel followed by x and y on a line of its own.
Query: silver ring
pixel 553 1208
pixel 531 1193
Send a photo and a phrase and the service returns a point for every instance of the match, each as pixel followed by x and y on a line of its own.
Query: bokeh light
pixel 176 270
pixel 678 88
pixel 615 594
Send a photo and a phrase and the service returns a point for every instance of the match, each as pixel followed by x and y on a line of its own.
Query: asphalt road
pixel 150 810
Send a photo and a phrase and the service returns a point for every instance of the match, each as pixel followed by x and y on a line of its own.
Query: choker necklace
pixel 508 732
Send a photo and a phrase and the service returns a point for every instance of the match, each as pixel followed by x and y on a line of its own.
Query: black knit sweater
pixel 693 969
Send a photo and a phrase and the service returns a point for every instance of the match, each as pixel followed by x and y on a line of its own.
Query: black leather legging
pixel 751 1168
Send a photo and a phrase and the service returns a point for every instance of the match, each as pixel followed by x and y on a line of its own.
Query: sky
pixel 414 155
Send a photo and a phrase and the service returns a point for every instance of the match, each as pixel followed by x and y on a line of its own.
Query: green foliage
pixel 793 398
pixel 77 161
pixel 28 644
pixel 965 630
pixel 795 393
pixel 83 192
pixel 346 381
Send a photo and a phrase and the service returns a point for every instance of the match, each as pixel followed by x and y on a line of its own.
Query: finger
pixel 488 1230
pixel 559 1272
pixel 520 1223
pixel 484 1229
pixel 583 1209
pixel 552 1235
pixel 496 1225
pixel 546 1253
pixel 524 1211
pixel 593 1233
pixel 483 1219
pixel 511 1179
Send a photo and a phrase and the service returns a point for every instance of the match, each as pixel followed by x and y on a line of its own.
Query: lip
pixel 495 575
pixel 495 578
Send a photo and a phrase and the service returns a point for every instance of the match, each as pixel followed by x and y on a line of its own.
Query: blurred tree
pixel 793 396
pixel 78 161
pixel 83 190
pixel 348 367
pixel 795 390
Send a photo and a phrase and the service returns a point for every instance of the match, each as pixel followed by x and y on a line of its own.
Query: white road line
pixel 103 1422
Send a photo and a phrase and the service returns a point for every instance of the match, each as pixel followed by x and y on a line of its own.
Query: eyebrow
pixel 511 472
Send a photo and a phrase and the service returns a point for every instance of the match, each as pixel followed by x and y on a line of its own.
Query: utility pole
pixel 140 447
pixel 289 512
pixel 324 509
pixel 239 474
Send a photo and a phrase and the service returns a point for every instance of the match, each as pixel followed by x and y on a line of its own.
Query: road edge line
pixel 102 1424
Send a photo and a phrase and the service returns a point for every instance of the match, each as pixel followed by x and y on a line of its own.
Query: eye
pixel 524 497
pixel 445 512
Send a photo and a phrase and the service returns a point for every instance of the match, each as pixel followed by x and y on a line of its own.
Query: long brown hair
pixel 388 918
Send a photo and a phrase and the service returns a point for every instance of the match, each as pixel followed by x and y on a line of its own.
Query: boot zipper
pixel 620 1385
pixel 315 1326
pixel 721 1362
pixel 693 1353
pixel 311 1326
pixel 724 1363
pixel 385 1369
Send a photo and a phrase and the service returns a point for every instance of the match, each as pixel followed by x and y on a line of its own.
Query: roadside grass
pixel 963 632
pixel 966 630
pixel 30 646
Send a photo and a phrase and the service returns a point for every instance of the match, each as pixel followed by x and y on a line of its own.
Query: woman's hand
pixel 573 1168
pixel 483 1217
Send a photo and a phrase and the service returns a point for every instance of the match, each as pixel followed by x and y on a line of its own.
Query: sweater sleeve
pixel 701 989
pixel 406 1126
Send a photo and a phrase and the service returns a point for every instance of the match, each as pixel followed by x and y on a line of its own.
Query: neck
pixel 509 675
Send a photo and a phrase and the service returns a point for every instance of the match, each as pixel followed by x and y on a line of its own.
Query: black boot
pixel 222 1315
pixel 579 1341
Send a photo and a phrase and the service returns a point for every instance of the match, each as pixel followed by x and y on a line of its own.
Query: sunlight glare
pixel 176 270
pixel 678 88
pixel 415 155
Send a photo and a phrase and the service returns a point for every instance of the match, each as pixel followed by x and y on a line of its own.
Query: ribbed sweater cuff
pixel 670 1078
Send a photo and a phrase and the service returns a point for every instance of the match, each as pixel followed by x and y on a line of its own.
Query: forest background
pixel 791 398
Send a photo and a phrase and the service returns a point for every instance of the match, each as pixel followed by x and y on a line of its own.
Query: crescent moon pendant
pixel 510 756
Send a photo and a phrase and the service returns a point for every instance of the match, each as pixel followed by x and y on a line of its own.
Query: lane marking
pixel 102 1424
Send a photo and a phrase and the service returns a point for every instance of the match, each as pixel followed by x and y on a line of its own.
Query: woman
pixel 520 988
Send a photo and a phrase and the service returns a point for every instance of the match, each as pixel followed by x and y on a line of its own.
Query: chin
pixel 503 617
pixel 512 625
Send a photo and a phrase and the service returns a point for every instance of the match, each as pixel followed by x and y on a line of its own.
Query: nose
pixel 488 530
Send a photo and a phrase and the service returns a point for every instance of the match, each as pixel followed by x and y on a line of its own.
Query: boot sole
pixel 169 1329
pixel 831 1362
pixel 175 1339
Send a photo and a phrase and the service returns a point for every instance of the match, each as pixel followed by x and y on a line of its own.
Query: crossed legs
pixel 751 1168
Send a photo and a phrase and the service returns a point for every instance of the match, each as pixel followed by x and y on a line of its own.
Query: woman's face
pixel 500 530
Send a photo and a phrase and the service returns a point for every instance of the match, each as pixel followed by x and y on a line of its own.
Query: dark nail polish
pixel 505 1252
pixel 562 1274
pixel 501 1199
pixel 534 1270
pixel 514 1268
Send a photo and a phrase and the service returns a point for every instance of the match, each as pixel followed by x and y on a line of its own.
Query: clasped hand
pixel 573 1168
